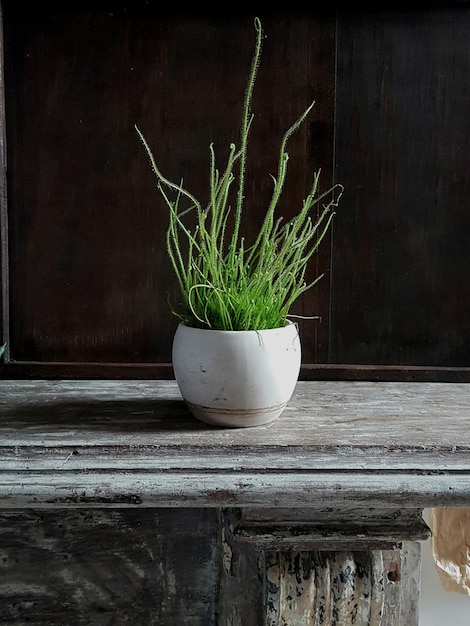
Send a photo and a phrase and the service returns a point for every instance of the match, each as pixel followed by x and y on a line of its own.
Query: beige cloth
pixel 451 547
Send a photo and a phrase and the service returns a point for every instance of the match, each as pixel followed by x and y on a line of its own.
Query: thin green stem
pixel 227 285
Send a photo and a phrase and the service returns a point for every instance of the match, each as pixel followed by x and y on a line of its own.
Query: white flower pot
pixel 236 378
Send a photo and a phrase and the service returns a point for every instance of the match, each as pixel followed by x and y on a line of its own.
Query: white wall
pixel 439 607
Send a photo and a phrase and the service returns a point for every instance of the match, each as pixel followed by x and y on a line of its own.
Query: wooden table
pixel 118 506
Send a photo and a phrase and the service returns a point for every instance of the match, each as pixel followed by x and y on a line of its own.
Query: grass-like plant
pixel 225 283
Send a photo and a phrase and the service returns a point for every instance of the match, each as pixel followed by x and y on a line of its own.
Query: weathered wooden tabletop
pixel 128 443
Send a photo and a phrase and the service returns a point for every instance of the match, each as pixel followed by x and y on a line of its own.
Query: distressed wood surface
pixel 108 443
pixel 321 503
pixel 324 588
pixel 109 567
pixel 323 581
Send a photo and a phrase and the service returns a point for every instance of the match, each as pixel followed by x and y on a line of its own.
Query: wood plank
pixel 134 443
pixel 393 417
pixel 124 488
pixel 88 226
pixel 400 293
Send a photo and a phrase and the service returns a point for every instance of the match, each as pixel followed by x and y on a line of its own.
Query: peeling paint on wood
pixel 324 588
pixel 323 584
pixel 117 506
pixel 115 443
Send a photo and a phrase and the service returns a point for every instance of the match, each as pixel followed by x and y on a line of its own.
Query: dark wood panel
pixel 401 256
pixel 89 276
pixel 109 567
pixel 89 272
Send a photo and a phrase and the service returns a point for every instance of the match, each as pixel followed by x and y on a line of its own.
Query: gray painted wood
pixel 109 443
pixel 117 506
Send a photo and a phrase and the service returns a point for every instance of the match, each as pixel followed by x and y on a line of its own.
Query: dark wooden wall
pixel 85 272
pixel 401 257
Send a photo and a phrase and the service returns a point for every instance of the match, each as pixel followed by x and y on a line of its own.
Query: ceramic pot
pixel 236 378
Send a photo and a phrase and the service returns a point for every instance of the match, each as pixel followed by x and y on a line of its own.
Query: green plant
pixel 2 349
pixel 226 284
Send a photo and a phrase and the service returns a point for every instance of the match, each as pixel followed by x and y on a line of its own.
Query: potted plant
pixel 236 354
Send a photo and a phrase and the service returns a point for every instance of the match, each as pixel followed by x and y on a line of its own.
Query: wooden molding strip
pixel 164 371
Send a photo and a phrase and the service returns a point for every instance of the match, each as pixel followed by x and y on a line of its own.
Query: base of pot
pixel 233 418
